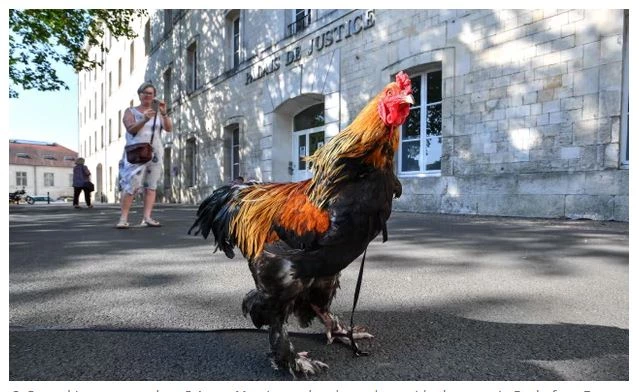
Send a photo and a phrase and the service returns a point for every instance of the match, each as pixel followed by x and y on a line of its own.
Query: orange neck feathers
pixel 367 139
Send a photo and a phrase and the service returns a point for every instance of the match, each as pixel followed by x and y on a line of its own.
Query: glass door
pixel 305 143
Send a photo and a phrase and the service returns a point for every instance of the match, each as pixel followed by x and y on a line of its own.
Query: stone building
pixel 41 168
pixel 518 112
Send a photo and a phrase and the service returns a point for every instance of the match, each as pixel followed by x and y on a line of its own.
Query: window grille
pixel 301 20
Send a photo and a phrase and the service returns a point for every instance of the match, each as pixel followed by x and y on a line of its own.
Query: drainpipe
pixel 106 130
pixel 35 181
pixel 177 124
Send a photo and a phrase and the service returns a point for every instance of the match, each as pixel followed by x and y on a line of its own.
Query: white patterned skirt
pixel 136 177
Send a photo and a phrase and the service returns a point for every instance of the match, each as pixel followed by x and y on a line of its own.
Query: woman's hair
pixel 146 85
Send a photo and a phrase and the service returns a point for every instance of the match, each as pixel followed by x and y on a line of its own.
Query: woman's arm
pixel 166 120
pixel 133 126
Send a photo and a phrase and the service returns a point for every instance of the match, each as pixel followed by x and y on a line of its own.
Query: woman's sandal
pixel 122 225
pixel 150 222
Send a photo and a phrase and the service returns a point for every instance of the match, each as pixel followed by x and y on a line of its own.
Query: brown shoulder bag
pixel 140 153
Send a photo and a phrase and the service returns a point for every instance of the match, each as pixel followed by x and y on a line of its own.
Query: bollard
pixel 48 198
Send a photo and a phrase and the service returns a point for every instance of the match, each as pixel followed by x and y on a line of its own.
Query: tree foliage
pixel 39 38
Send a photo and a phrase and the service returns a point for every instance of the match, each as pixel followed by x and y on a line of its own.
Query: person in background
pixel 81 176
pixel 139 122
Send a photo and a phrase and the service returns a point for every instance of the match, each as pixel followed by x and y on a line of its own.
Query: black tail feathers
pixel 215 214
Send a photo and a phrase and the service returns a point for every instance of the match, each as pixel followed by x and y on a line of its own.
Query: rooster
pixel 297 237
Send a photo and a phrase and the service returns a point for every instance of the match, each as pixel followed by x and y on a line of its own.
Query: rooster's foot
pixel 342 334
pixel 335 329
pixel 302 365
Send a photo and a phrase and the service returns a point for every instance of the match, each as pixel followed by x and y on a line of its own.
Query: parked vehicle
pixel 16 197
pixel 32 199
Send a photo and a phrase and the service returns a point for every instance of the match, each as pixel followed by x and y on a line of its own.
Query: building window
pixel 95 137
pixel 101 98
pixel 309 118
pixel 110 179
pixel 23 155
pixel 236 42
pixel 189 163
pixel 233 39
pixel 120 71
pixel 191 67
pixel 95 70
pixel 235 153
pixel 168 21
pixel 625 114
pixel 49 157
pixel 48 179
pixel 119 124
pixel 101 137
pixel 132 57
pixel 110 85
pixel 85 153
pixel 21 179
pixel 301 20
pixel 167 88
pixel 168 172
pixel 147 37
pixel 421 135
pixel 110 135
pixel 95 105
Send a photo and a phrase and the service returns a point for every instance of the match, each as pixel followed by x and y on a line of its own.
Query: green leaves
pixel 39 38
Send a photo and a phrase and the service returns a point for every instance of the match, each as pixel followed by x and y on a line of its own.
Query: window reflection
pixel 309 118
pixel 421 141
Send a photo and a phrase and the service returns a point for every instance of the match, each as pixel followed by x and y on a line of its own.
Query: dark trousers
pixel 76 195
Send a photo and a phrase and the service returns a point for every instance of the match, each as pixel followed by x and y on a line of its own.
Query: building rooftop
pixel 35 153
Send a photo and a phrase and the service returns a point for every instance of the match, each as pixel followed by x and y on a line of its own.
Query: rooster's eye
pixel 389 92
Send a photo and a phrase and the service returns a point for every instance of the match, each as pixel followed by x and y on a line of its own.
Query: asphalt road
pixel 447 298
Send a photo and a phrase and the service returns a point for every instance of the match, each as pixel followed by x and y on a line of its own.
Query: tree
pixel 38 38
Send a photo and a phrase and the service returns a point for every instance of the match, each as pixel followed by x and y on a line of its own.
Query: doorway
pixel 305 143
pixel 308 136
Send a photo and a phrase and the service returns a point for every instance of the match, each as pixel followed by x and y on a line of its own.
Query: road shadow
pixel 436 346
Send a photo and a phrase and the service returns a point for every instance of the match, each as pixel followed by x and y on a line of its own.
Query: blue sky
pixel 47 116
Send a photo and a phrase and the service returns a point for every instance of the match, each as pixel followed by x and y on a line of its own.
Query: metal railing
pixel 300 24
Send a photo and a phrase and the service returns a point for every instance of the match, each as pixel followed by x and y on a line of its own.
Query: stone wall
pixel 531 106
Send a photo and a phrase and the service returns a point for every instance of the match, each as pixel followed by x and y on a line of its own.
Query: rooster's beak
pixel 409 99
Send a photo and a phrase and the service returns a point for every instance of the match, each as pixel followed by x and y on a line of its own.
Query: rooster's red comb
pixel 403 81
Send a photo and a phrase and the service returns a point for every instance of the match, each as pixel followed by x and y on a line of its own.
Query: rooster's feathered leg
pixel 270 304
pixel 316 302
pixel 335 328
pixel 283 355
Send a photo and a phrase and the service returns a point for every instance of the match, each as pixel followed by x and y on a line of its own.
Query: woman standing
pixel 81 176
pixel 143 125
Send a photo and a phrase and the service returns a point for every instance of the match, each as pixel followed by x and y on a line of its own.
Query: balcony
pixel 302 21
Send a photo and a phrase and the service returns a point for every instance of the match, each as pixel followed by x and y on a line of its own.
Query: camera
pixel 155 105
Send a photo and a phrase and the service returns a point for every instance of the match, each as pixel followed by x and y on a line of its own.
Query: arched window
pixel 310 117
pixel 420 149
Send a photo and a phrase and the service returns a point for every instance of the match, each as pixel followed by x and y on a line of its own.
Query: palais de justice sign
pixel 347 29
